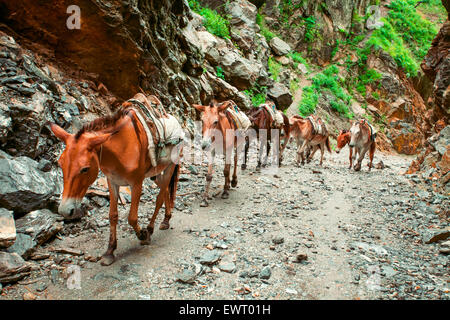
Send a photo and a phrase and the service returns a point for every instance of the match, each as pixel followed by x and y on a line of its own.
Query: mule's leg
pixel 362 153
pixel 350 157
pixel 247 145
pixel 371 153
pixel 136 191
pixel 234 181
pixel 108 257
pixel 311 155
pixel 354 155
pixel 267 153
pixel 226 187
pixel 209 177
pixel 164 184
pixel 260 151
pixel 322 152
pixel 158 204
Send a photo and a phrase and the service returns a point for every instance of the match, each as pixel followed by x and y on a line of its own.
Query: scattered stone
pixel 24 246
pixel 300 257
pixel 278 240
pixel 229 267
pixel 279 47
pixel 70 251
pixel 210 257
pixel 41 225
pixel 29 296
pixel 12 267
pixel 291 291
pixel 265 273
pixel 7 228
pixel 435 235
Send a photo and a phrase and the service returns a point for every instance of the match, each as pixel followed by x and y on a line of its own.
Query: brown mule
pixel 363 140
pixel 262 120
pixel 215 119
pixel 342 140
pixel 303 132
pixel 118 146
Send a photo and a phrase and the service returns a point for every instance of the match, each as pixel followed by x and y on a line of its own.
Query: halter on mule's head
pixel 80 161
pixel 210 120
pixel 355 133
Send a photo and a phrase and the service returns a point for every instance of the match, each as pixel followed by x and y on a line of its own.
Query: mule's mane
pixel 102 123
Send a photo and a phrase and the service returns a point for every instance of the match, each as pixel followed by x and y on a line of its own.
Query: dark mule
pixel 342 140
pixel 261 119
pixel 118 146
pixel 215 119
pixel 362 138
pixel 302 130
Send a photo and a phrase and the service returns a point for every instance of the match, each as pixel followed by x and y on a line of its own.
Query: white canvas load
pixel 276 115
pixel 239 117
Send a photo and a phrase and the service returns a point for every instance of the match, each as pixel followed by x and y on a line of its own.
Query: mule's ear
pixel 223 106
pixel 59 132
pixel 199 107
pixel 98 140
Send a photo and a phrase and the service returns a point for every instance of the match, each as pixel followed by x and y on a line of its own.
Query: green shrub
pixel 219 73
pixel 274 68
pixel 214 22
pixel 329 80
pixel 264 29
pixel 257 95
pixel 297 58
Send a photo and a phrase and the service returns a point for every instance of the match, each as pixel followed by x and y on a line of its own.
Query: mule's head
pixel 355 133
pixel 210 121
pixel 80 165
pixel 342 140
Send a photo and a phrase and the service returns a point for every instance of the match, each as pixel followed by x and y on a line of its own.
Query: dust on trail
pixel 267 221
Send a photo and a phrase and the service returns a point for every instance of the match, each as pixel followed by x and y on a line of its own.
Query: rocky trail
pixel 299 233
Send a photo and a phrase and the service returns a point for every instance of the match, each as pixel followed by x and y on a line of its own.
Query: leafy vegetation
pixel 219 73
pixel 264 29
pixel 257 94
pixel 274 68
pixel 329 81
pixel 298 58
pixel 214 22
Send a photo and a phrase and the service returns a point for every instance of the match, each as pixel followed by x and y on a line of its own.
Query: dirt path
pixel 342 222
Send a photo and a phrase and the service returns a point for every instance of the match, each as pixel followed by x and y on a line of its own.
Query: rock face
pixel 23 187
pixel 436 66
pixel 7 228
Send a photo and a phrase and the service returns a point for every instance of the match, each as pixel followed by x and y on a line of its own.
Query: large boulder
pixel 40 225
pixel 23 187
pixel 7 228
pixel 279 47
pixel 281 95
pixel 12 267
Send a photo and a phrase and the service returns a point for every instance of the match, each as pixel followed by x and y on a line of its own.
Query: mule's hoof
pixel 225 195
pixel 204 203
pixel 243 166
pixel 164 225
pixel 143 235
pixel 107 259
pixel 234 183
pixel 146 242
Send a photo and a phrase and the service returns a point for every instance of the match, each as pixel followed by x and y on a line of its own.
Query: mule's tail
pixel 327 143
pixel 287 127
pixel 173 185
